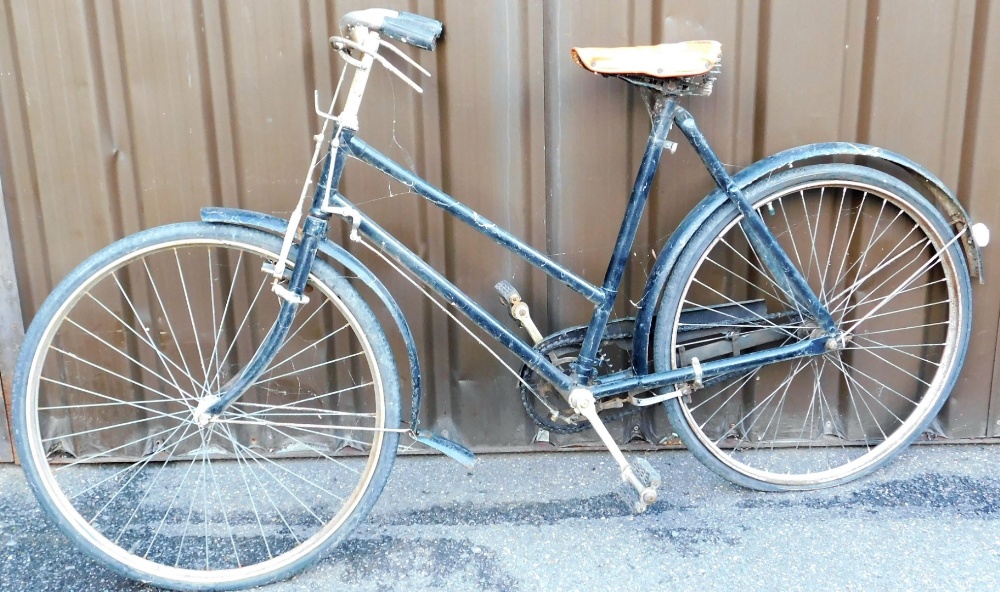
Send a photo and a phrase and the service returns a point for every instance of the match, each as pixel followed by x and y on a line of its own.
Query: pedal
pixel 645 472
pixel 518 309
pixel 639 479
pixel 639 499
pixel 630 496
pixel 508 294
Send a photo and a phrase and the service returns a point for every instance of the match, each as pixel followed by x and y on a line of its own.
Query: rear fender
pixel 824 152
pixel 275 225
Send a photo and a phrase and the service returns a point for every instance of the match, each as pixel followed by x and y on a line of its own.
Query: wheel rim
pixel 819 420
pixel 235 501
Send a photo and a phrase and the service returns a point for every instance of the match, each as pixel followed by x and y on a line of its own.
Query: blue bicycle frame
pixel 666 113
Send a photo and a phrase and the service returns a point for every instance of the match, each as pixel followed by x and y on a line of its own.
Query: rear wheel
pixel 878 256
pixel 124 350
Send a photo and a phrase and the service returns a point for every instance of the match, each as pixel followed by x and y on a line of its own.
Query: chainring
pixel 543 403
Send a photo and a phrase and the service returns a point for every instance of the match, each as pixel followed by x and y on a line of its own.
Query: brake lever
pixel 405 57
pixel 341 44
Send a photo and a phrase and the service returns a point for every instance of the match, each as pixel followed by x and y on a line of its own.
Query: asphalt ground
pixel 537 522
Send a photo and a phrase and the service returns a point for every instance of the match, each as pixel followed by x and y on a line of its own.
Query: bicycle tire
pixel 116 360
pixel 831 418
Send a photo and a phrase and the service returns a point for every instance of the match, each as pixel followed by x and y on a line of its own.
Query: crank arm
pixel 582 401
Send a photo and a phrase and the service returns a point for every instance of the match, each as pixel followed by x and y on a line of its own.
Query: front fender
pixel 275 225
pixel 918 175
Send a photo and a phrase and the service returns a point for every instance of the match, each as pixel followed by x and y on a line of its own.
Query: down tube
pixel 459 299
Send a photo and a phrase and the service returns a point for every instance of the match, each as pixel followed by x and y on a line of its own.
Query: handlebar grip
pixel 414 29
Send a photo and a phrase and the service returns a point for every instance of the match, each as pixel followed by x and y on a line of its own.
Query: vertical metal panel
pixel 726 117
pixel 486 79
pixel 116 116
pixel 588 143
pixel 927 125
pixel 978 187
pixel 793 108
pixel 590 154
pixel 11 331
pixel 11 324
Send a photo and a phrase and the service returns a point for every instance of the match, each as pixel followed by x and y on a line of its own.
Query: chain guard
pixel 615 355
pixel 562 349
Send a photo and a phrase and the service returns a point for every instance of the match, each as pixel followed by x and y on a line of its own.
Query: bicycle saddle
pixel 667 60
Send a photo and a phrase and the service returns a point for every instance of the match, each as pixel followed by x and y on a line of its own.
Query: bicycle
pixel 242 435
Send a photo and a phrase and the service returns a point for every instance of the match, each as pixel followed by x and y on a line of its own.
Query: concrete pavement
pixel 537 522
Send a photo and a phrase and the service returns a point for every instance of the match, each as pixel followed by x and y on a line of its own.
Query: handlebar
pixel 413 29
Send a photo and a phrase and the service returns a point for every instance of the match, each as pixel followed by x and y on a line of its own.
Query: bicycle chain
pixel 572 338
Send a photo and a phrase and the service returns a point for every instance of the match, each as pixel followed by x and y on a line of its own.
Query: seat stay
pixel 774 258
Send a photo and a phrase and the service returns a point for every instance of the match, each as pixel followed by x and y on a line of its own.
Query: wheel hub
pixel 201 415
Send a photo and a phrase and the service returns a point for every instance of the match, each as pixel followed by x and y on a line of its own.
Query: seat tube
pixel 663 117
pixel 768 248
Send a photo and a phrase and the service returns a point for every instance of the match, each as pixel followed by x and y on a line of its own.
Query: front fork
pixel 314 231
pixel 293 295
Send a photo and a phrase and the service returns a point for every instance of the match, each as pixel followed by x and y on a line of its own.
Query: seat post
pixel 663 117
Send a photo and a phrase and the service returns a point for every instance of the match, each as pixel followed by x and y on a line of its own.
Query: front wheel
pixel 881 260
pixel 119 357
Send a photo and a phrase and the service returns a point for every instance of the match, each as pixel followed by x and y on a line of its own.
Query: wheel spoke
pixel 159 527
pixel 250 496
pixel 306 348
pixel 740 277
pixel 118 371
pixel 116 401
pixel 881 261
pixel 194 326
pixel 293 404
pixel 833 245
pixel 145 337
pixel 149 487
pixel 128 468
pixel 275 427
pixel 128 482
pixel 782 387
pixel 767 321
pixel 117 375
pixel 868 299
pixel 106 454
pixel 217 327
pixel 308 368
pixel 170 326
pixel 243 323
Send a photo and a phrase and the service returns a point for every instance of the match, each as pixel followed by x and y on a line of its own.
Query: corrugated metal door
pixel 117 116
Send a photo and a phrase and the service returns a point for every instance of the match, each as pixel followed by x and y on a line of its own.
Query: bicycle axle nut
pixel 200 414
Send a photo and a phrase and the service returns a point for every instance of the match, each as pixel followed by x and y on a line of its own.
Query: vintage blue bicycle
pixel 804 323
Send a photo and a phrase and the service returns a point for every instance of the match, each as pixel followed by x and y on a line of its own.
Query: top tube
pixel 364 152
